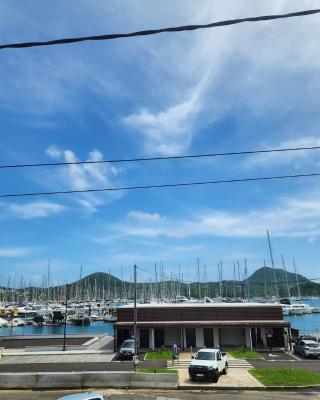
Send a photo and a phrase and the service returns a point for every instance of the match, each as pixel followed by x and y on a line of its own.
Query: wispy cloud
pixel 143 216
pixel 168 131
pixel 294 158
pixel 85 176
pixel 289 217
pixel 8 252
pixel 36 209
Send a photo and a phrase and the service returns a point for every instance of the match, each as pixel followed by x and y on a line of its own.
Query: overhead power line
pixel 128 160
pixel 157 31
pixel 166 185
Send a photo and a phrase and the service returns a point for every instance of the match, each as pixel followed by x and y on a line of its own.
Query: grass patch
pixel 158 370
pixel 245 354
pixel 285 377
pixel 161 354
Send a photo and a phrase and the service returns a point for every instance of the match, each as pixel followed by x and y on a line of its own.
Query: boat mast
pixel 286 276
pixel 199 285
pixel 297 282
pixel 272 263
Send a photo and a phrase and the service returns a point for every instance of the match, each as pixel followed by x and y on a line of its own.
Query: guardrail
pixel 82 380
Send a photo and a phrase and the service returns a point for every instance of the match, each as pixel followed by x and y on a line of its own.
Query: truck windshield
pixel 204 355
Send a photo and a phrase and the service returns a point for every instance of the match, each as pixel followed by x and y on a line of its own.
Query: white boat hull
pixel 296 311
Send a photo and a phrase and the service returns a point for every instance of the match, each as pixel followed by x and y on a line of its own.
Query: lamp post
pixel 65 320
pixel 135 318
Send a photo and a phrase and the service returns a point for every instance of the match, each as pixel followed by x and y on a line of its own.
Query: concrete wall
pixel 81 380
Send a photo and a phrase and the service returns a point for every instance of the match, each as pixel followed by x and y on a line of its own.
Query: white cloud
pixel 15 251
pixel 295 217
pixel 53 152
pixel 85 176
pixel 36 209
pixel 143 216
pixel 249 70
pixel 168 131
pixel 294 158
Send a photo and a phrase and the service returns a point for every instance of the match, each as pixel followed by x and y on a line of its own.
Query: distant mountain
pixel 101 285
pixel 266 277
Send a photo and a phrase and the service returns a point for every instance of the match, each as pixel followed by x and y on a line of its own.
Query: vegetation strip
pixel 245 354
pixel 158 370
pixel 285 377
pixel 161 354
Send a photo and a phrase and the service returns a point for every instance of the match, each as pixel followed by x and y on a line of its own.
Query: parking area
pixel 236 378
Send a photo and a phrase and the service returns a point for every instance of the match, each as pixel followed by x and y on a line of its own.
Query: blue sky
pixel 237 88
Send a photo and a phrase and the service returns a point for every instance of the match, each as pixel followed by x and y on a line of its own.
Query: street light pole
pixel 135 317
pixel 65 320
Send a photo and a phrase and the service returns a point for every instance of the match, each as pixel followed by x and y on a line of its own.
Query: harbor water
pixel 95 328
pixel 306 323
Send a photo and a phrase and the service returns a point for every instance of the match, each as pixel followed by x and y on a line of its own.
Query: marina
pixel 307 323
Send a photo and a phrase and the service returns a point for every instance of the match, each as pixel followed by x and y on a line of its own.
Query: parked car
pixel 126 351
pixel 209 363
pixel 83 396
pixel 307 348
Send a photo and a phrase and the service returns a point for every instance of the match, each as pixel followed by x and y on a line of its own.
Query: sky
pixel 243 87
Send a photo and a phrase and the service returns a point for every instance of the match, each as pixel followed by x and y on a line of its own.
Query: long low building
pixel 252 325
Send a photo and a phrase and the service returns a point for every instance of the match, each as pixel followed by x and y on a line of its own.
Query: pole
pixel 274 271
pixel 135 317
pixel 65 321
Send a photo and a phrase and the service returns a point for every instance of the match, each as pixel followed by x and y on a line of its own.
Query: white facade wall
pixel 151 338
pixel 264 337
pixel 216 340
pixel 248 338
pixel 199 337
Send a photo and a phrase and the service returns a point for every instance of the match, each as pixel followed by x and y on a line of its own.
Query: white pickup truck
pixel 208 363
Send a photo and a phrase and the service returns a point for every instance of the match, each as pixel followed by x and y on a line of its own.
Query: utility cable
pixel 166 185
pixel 157 31
pixel 128 160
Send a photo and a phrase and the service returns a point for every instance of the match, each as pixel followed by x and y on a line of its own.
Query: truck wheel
pixel 215 378
pixel 192 378
pixel 225 370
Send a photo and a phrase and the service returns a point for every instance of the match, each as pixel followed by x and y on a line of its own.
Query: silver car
pixel 127 350
pixel 83 396
pixel 307 348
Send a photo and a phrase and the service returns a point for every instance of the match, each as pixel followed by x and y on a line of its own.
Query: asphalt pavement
pixel 166 395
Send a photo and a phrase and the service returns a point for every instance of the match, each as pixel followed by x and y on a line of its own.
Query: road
pixel 168 395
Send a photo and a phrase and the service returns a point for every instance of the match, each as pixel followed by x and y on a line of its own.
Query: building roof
pixel 204 305
pixel 253 323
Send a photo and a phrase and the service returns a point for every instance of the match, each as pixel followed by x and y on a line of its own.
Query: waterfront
pixel 306 323
pixel 95 328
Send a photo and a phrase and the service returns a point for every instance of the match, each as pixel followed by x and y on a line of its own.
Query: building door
pixel 208 337
pixel 122 335
pixel 191 337
pixel 144 338
pixel 158 338
pixel 254 337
